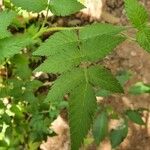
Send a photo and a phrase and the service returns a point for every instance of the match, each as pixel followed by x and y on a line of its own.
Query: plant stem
pixel 44 30
pixel 46 16
pixel 85 74
pixel 128 37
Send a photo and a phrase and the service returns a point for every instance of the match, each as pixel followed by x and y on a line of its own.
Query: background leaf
pixel 31 5
pixel 135 116
pixel 118 135
pixel 65 7
pixel 139 88
pixel 100 127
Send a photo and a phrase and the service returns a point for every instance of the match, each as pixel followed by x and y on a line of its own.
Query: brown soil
pixel 129 56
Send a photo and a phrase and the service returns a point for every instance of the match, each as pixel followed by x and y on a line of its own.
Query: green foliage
pixel 80 121
pixel 6 18
pixel 23 110
pixel 21 62
pixel 65 7
pixel 13 45
pixel 34 6
pixel 135 116
pixel 100 127
pixel 119 134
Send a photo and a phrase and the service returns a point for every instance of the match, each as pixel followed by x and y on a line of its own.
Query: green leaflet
pixel 13 45
pixel 82 106
pixel 143 38
pixel 6 18
pixel 61 62
pixel 135 116
pixel 100 127
pixel 98 40
pixel 118 135
pixel 31 5
pixel 99 47
pixel 65 83
pixel 65 7
pixel 101 77
pixel 56 43
pixel 136 13
pixel 98 30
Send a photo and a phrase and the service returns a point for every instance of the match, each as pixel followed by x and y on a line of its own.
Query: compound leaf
pixel 82 106
pixel 136 13
pixel 33 6
pixel 101 77
pixel 65 7
pixel 100 127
